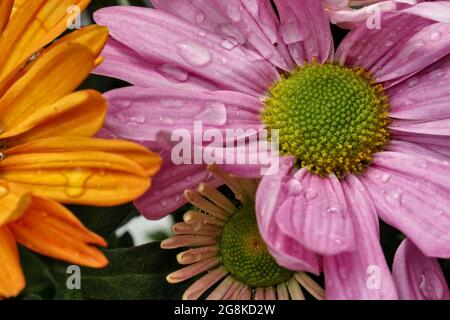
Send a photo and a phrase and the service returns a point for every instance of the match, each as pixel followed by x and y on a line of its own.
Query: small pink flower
pixel 364 129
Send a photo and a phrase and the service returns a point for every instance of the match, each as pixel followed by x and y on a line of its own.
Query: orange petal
pixel 78 177
pixel 78 114
pixel 12 280
pixel 94 37
pixel 147 159
pixel 50 229
pixel 14 199
pixel 55 74
pixel 5 12
pixel 33 25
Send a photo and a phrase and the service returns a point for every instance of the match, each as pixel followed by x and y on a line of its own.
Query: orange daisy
pixel 47 155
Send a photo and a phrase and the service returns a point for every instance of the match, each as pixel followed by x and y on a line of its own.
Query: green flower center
pixel 244 253
pixel 330 117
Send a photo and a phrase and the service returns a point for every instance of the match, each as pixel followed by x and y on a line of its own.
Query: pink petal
pixel 166 193
pixel 140 113
pixel 315 213
pixel 437 10
pixel 418 277
pixel 437 127
pixel 412 193
pixel 251 23
pixel 414 149
pixel 403 46
pixel 424 96
pixel 159 36
pixel 350 18
pixel 363 274
pixel 123 63
pixel 305 29
pixel 287 251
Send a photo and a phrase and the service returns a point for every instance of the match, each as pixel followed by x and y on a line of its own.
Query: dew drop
pixel 229 44
pixel 333 210
pixel 138 119
pixel 215 113
pixel 171 103
pixel 163 202
pixel 394 198
pixel 412 82
pixel 200 17
pixel 194 54
pixel 202 33
pixel 173 73
pixel 310 194
pixel 234 12
pixel 389 43
pixel 386 177
pixel 76 180
pixel 3 191
pixel 435 36
pixel 165 120
pixel 252 6
pixel 294 187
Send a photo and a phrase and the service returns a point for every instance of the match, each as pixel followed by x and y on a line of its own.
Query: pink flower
pixel 418 277
pixel 371 142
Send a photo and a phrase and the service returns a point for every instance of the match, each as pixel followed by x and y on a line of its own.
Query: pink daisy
pixel 363 130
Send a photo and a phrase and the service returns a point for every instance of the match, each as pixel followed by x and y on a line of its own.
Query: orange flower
pixel 47 155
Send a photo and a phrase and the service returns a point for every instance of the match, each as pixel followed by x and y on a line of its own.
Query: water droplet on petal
pixel 310 194
pixel 214 114
pixel 202 33
pixel 294 187
pixel 3 191
pixel 386 177
pixel 200 17
pixel 234 12
pixel 138 119
pixel 334 210
pixel 194 54
pixel 394 197
pixel 163 202
pixel 173 73
pixel 389 43
pixel 412 82
pixel 229 44
pixel 76 180
pixel 252 6
pixel 435 36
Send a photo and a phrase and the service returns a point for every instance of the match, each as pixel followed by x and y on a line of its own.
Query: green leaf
pixel 39 279
pixel 104 221
pixel 133 273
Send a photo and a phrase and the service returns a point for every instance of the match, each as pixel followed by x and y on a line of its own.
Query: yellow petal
pixel 55 74
pixel 5 12
pixel 94 37
pixel 33 25
pixel 14 200
pixel 50 229
pixel 78 114
pixel 12 280
pixel 146 159
pixel 78 177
